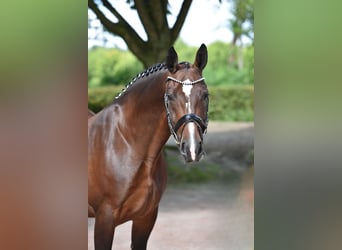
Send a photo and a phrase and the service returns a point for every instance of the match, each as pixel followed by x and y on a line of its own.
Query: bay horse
pixel 126 167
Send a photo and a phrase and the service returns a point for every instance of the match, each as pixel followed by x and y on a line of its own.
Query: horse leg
pixel 141 230
pixel 104 228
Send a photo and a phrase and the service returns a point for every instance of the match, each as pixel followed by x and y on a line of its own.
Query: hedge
pixel 231 103
pixel 226 103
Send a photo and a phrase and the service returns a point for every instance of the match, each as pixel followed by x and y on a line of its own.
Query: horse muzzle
pixel 191 144
pixel 192 152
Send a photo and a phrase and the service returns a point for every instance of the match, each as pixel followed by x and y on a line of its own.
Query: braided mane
pixel 146 72
pixel 155 68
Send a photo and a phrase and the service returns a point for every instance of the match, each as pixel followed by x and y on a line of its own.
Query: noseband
pixel 185 119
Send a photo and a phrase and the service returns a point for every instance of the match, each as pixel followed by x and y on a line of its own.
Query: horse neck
pixel 144 113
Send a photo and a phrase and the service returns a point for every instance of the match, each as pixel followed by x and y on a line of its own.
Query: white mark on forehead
pixel 187 87
pixel 187 91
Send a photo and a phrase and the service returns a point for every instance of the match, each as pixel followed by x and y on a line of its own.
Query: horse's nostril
pixel 199 148
pixel 183 147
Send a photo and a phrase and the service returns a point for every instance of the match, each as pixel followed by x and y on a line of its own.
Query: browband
pixel 186 82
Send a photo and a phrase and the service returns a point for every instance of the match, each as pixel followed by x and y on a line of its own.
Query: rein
pixel 185 119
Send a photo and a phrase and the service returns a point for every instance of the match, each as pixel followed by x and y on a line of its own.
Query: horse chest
pixel 139 202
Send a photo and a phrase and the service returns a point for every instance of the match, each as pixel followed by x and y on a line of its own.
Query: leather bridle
pixel 185 119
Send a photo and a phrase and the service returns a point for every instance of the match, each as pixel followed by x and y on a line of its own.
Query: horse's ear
pixel 201 57
pixel 172 60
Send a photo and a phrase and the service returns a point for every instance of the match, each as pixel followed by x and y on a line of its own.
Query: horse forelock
pixel 185 64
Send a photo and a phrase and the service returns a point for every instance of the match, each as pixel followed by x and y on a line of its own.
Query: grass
pixel 203 171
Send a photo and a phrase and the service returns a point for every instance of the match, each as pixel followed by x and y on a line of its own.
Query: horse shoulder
pixel 104 175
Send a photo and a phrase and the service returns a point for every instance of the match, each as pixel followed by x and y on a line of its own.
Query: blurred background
pixel 124 38
pixel 298 137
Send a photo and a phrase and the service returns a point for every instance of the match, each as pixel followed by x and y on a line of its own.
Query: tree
pixel 242 24
pixel 153 16
pixel 96 34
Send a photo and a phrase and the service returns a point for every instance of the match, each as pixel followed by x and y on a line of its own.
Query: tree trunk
pixel 240 56
pixel 152 13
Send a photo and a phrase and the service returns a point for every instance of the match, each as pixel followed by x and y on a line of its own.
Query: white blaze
pixel 191 126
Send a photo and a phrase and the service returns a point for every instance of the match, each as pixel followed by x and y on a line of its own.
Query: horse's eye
pixel 205 96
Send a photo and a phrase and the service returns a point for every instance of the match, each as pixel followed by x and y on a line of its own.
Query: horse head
pixel 186 101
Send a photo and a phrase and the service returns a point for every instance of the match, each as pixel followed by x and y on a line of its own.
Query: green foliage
pixel 242 22
pixel 178 172
pixel 203 171
pixel 117 67
pixel 100 97
pixel 218 70
pixel 249 62
pixel 184 51
pixel 111 67
pixel 226 103
pixel 233 103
